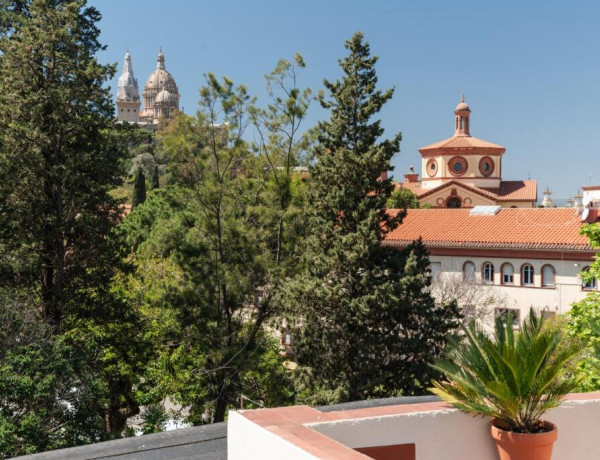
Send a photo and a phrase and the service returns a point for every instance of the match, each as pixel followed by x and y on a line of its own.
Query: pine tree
pixel 139 189
pixel 365 325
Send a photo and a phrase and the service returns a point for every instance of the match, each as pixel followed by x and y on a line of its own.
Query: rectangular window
pixel 436 269
pixel 510 314
pixel 507 278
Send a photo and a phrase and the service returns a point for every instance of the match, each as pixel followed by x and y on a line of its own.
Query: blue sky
pixel 530 70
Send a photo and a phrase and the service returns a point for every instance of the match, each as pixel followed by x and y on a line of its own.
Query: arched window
pixel 453 202
pixel 508 273
pixel 527 275
pixel 548 276
pixel 487 272
pixel 469 271
pixel 590 284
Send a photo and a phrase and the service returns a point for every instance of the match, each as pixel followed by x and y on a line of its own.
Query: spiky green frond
pixel 511 376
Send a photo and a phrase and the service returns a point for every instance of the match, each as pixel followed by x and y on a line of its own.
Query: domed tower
pixel 128 95
pixel 462 157
pixel 160 80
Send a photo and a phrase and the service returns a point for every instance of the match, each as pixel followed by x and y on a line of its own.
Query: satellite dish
pixel 585 214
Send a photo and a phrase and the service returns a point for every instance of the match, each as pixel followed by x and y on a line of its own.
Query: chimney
pixel 412 177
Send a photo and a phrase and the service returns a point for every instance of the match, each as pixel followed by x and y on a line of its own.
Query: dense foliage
pixel 583 320
pixel 71 381
pixel 236 241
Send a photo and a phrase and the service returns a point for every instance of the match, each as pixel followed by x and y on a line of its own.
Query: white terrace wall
pixel 437 434
pixel 247 440
pixel 451 435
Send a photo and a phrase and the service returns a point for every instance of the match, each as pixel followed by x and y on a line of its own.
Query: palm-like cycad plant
pixel 512 377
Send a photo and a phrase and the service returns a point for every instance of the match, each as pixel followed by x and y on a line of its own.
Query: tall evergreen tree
pixel 139 189
pixel 363 322
pixel 58 161
pixel 154 179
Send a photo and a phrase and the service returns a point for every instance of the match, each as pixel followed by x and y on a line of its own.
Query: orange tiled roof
pixel 462 142
pixel 517 190
pixel 510 228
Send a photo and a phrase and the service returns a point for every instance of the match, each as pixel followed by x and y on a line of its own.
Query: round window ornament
pixel 457 166
pixel 432 167
pixel 440 201
pixel 486 166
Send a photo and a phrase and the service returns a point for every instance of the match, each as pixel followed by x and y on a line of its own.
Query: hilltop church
pixel 161 96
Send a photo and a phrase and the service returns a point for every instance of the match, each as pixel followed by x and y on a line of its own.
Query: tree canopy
pixel 362 321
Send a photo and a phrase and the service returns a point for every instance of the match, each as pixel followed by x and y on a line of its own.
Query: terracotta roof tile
pixel 462 142
pixel 522 228
pixel 518 190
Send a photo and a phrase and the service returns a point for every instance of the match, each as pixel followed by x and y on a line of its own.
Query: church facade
pixel 161 95
pixel 464 171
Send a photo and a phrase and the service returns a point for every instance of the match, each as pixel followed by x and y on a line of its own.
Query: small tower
pixel 461 118
pixel 578 201
pixel 128 96
pixel 547 201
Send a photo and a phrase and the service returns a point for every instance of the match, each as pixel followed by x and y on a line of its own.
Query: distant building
pixel 547 201
pixel 161 96
pixel 524 257
pixel 464 171
pixel 591 196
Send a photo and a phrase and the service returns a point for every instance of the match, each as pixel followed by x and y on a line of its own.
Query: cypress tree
pixel 139 189
pixel 364 323
pixel 154 179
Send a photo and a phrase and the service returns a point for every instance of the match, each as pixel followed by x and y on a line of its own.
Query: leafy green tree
pixel 363 323
pixel 583 320
pixel 59 158
pixel 402 198
pixel 139 189
pixel 226 228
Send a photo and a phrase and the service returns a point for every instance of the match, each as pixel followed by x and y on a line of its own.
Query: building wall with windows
pixel 521 258
pixel 555 284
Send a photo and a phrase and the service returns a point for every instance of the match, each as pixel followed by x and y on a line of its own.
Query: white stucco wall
pixel 452 435
pixel 248 441
pixel 557 299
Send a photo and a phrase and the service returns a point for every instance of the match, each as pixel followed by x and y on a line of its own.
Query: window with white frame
pixel 469 271
pixel 508 274
pixel 512 315
pixel 548 276
pixel 487 272
pixel 527 275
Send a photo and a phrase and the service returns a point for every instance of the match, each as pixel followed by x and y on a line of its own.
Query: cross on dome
pixel 160 59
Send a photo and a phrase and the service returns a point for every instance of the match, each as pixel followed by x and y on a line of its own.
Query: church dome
pixel 462 105
pixel 165 97
pixel 160 79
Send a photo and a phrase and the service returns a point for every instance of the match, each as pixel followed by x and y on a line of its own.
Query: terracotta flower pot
pixel 524 446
